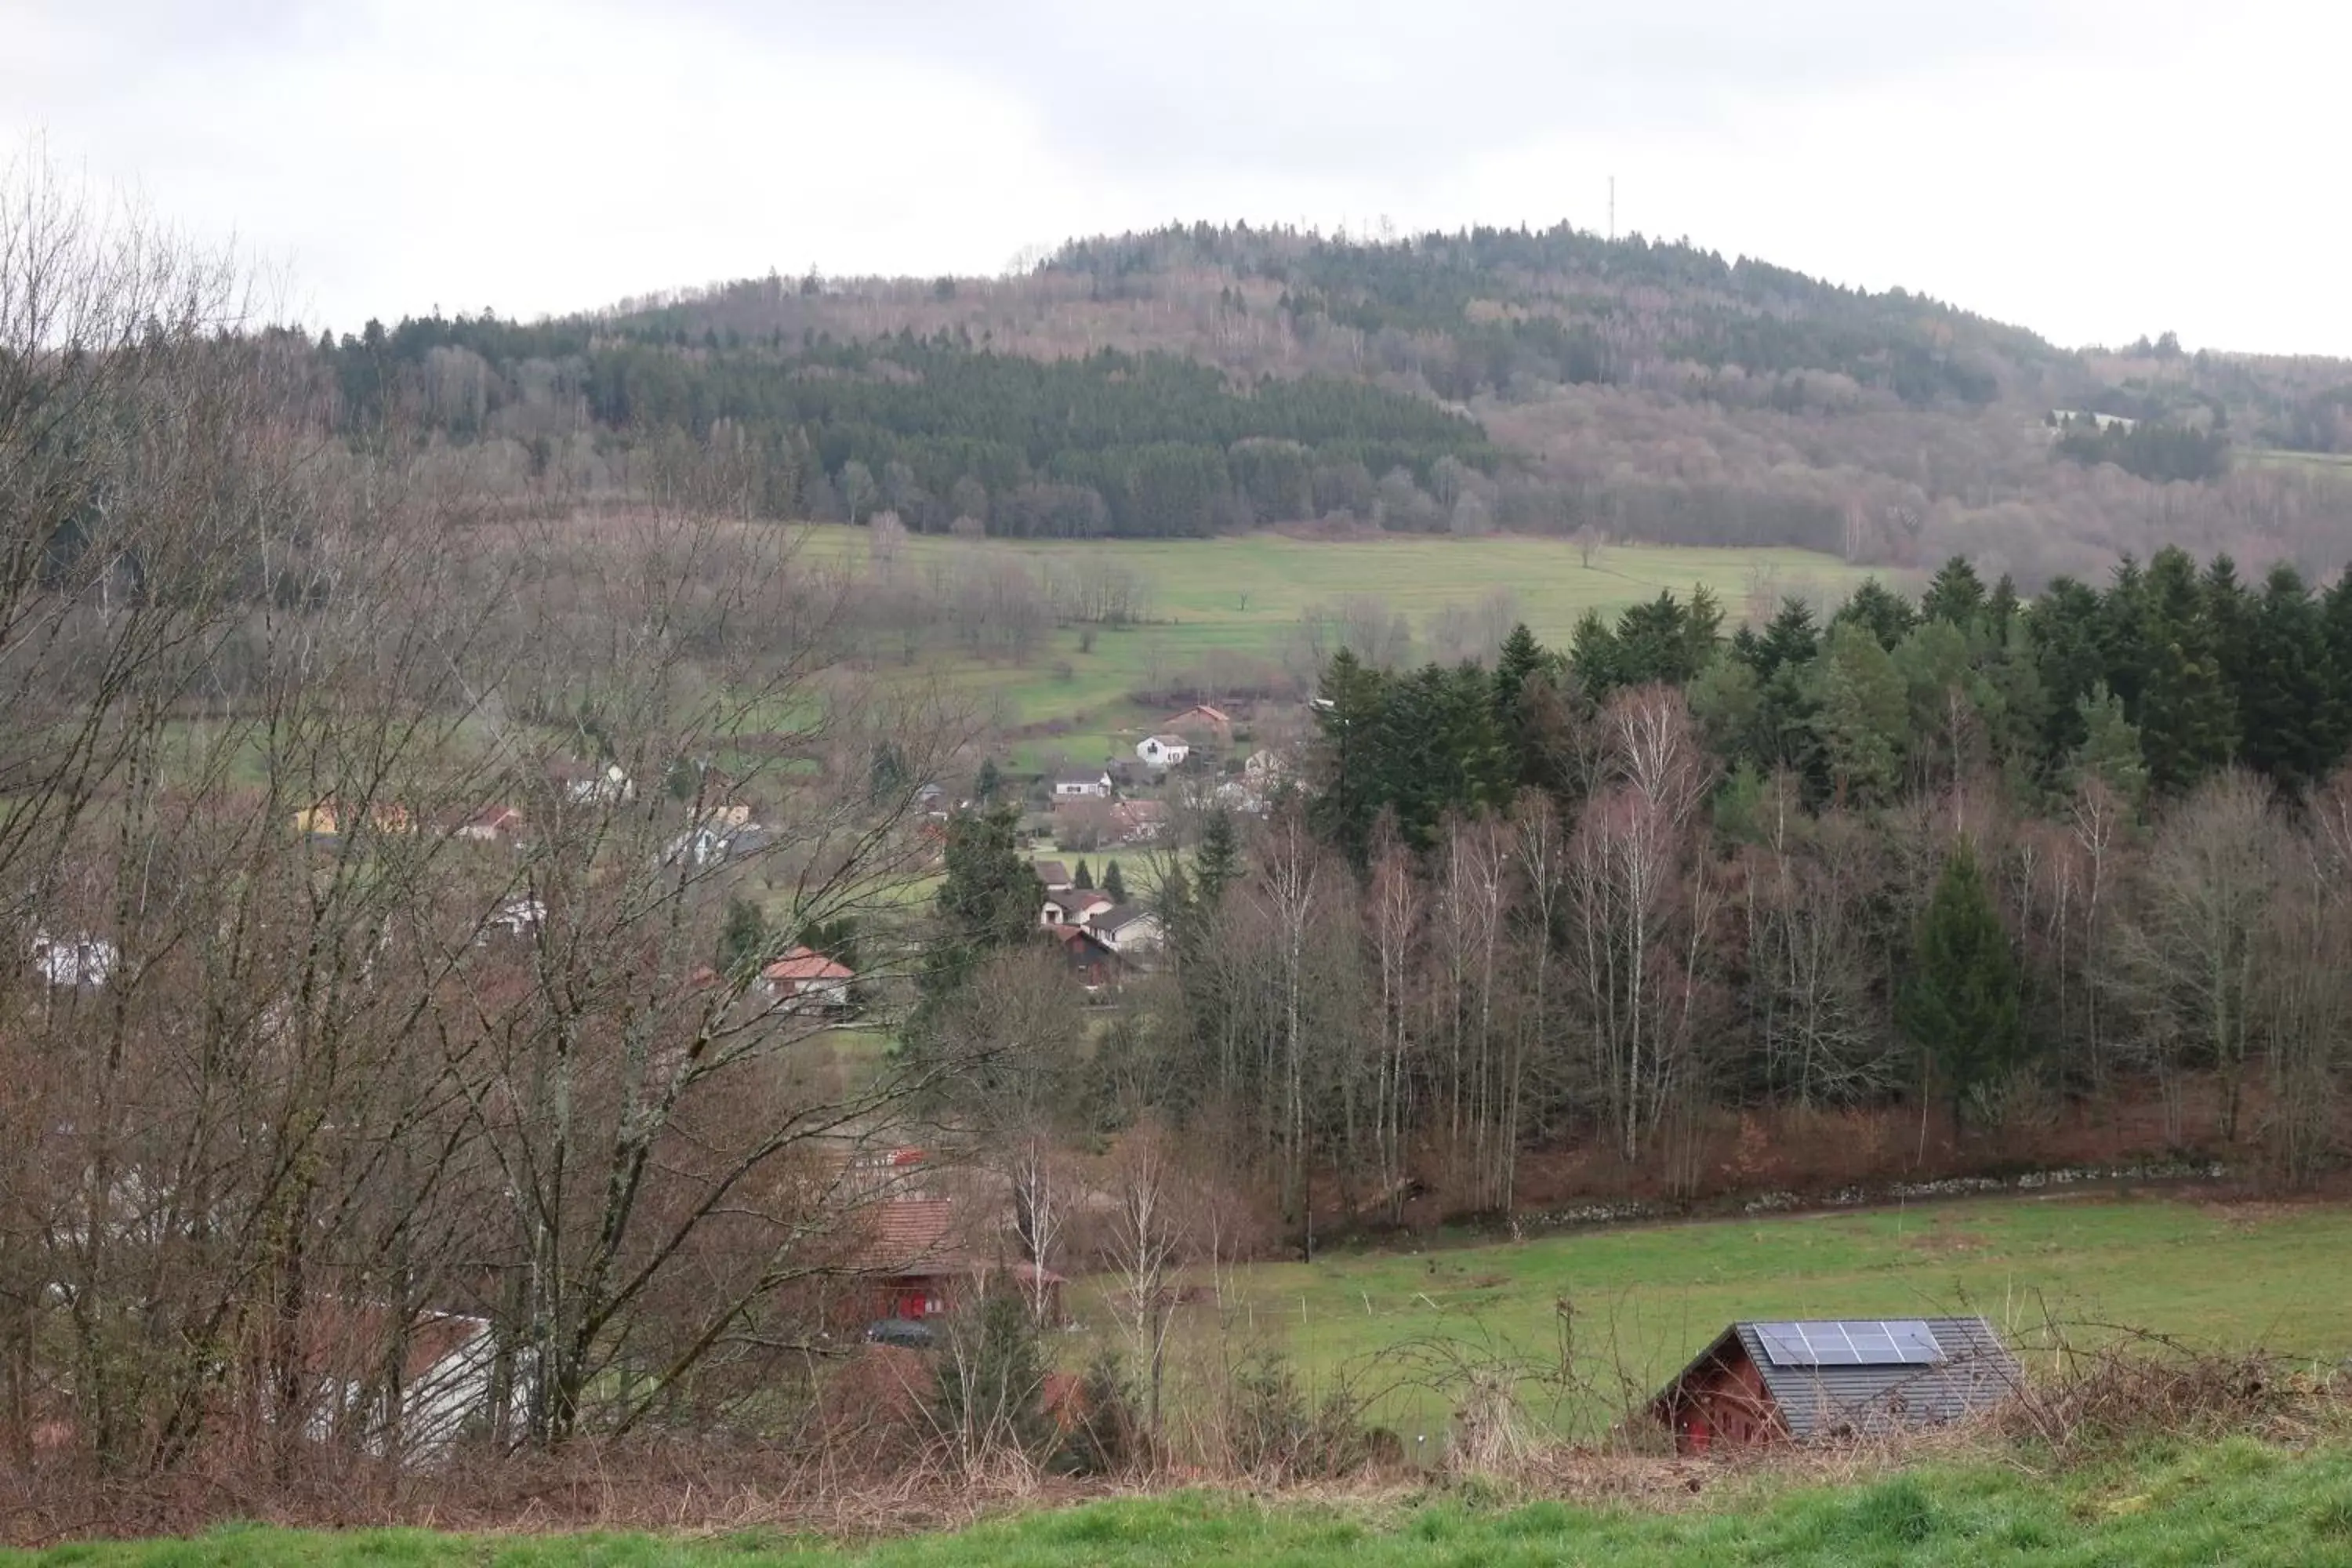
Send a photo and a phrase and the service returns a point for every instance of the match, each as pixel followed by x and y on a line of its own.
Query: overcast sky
pixel 2092 169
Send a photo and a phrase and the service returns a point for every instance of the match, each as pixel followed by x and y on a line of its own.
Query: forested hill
pixel 1199 379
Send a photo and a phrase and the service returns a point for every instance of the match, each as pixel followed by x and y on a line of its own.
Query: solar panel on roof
pixel 1850 1342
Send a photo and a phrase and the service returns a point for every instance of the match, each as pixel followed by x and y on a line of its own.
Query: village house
pixel 805 980
pixel 1077 907
pixel 492 825
pixel 445 1390
pixel 585 783
pixel 1127 929
pixel 1054 875
pixel 708 843
pixel 1762 1383
pixel 1091 960
pixel 1203 725
pixel 930 1255
pixel 1160 752
pixel 75 960
pixel 1139 821
pixel 1083 786
pixel 331 819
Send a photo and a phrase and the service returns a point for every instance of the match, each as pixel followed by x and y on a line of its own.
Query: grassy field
pixel 1643 1300
pixel 1243 598
pixel 2230 1502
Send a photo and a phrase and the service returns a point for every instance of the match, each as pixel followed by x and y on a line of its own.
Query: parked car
pixel 908 1331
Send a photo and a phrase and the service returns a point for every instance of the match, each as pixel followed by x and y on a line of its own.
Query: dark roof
pixel 1052 873
pixel 1113 916
pixel 1866 1395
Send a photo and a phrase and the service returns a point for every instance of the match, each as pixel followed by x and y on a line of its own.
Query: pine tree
pixel 1957 596
pixel 1961 1002
pixel 1083 876
pixel 1888 614
pixel 2187 718
pixel 1860 715
pixel 987 901
pixel 2287 704
pixel 742 939
pixel 1114 885
pixel 990 780
pixel 2110 749
pixel 1217 864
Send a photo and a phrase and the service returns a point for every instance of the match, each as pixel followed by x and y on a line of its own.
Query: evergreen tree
pixel 1348 710
pixel 2187 720
pixel 1217 864
pixel 2287 707
pixel 990 780
pixel 1114 885
pixel 1961 1001
pixel 1083 876
pixel 987 902
pixel 1887 614
pixel 2063 630
pixel 1860 715
pixel 991 1378
pixel 1957 596
pixel 742 940
pixel 2110 749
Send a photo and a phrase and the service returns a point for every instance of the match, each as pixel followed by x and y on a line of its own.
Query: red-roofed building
pixel 807 979
pixel 925 1260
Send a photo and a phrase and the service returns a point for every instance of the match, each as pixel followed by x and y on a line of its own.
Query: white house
pixel 1082 786
pixel 1160 752
pixel 584 783
pixel 74 961
pixel 1080 907
pixel 1127 929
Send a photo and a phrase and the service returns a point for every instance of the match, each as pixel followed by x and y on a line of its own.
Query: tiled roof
pixel 802 965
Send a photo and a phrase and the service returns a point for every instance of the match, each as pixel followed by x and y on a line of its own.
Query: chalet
pixel 1092 960
pixel 1054 875
pixel 1127 929
pixel 1160 752
pixel 1806 1382
pixel 1082 786
pixel 1203 725
pixel 925 1259
pixel 805 980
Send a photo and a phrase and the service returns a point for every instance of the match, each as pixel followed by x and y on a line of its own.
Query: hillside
pixel 1204 380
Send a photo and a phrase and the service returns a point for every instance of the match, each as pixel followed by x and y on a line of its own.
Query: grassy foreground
pixel 2232 1502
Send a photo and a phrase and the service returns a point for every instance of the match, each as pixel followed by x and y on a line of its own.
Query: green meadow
pixel 1627 1308
pixel 1231 602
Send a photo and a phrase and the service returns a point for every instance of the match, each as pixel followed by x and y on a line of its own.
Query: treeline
pixel 1577 323
pixel 937 430
pixel 2005 863
pixel 2148 448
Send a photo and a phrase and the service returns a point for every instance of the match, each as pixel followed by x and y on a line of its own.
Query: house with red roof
pixel 805 980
